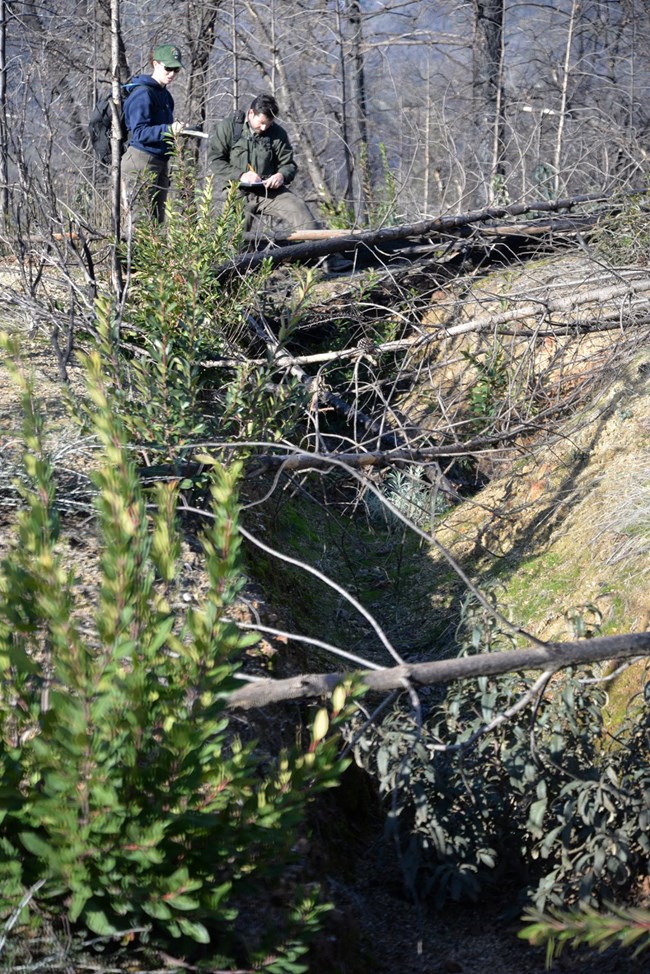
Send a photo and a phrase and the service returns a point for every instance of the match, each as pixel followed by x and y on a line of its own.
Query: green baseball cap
pixel 169 55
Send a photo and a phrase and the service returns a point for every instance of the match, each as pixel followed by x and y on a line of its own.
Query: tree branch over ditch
pixel 261 692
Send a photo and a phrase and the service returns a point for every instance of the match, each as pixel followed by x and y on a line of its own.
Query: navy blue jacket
pixel 148 113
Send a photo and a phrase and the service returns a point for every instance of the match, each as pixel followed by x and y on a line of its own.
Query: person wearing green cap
pixel 149 118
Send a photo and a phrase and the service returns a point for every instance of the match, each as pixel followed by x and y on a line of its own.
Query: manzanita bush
pixel 127 802
pixel 545 800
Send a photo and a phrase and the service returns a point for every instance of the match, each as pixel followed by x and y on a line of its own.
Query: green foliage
pixel 380 197
pixel 627 927
pixel 624 236
pixel 541 798
pixel 179 313
pixel 500 192
pixel 338 215
pixel 382 203
pixel 127 800
pixel 585 620
pixel 414 496
pixel 544 178
pixel 489 390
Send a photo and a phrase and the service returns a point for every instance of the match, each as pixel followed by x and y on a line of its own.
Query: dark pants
pixel 145 185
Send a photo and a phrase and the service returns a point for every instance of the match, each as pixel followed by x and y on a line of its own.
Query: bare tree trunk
pixel 201 32
pixel 111 58
pixel 487 82
pixel 116 150
pixel 557 155
pixel 360 107
pixel 235 53
pixel 4 131
pixel 427 144
pixel 296 108
pixel 345 129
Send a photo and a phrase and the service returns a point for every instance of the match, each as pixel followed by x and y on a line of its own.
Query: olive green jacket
pixel 266 154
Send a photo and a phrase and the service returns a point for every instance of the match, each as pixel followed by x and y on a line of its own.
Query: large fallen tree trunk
pixel 549 658
pixel 354 239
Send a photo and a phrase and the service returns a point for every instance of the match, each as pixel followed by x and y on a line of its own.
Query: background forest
pixel 459 103
pixel 324 622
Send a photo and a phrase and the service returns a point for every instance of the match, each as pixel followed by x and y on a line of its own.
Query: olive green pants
pixel 145 185
pixel 276 204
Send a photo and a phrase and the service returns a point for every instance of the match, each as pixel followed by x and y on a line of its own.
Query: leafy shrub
pixel 628 928
pixel 379 193
pixel 412 493
pixel 623 237
pixel 544 801
pixel 181 312
pixel 489 391
pixel 128 802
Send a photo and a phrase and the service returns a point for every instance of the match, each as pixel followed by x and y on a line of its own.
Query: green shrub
pixel 379 193
pixel 623 238
pixel 128 803
pixel 180 313
pixel 489 391
pixel 412 493
pixel 542 800
pixel 625 927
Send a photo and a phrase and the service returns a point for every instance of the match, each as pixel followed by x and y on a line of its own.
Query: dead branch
pixel 528 229
pixel 552 657
pixel 317 390
pixel 355 240
pixel 604 321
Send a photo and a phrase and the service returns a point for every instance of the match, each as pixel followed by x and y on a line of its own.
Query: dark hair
pixel 265 105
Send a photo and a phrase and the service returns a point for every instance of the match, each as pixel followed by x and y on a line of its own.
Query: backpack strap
pixel 238 120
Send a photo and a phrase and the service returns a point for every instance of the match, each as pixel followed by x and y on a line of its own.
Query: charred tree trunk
pixel 4 131
pixel 116 147
pixel 488 97
pixel 202 34
pixel 360 107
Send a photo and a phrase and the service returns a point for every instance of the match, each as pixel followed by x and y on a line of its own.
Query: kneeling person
pixel 261 161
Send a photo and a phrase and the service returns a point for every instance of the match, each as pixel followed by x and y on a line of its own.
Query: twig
pixel 13 919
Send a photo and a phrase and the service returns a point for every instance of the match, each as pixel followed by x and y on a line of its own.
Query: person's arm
pixel 283 154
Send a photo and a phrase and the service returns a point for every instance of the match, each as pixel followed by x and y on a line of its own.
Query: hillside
pixel 550 512
pixel 562 522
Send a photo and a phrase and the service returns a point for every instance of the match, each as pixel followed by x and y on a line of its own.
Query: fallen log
pixel 354 240
pixel 551 658
pixel 527 229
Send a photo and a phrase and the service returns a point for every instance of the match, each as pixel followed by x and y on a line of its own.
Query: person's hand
pixel 274 181
pixel 177 128
pixel 249 178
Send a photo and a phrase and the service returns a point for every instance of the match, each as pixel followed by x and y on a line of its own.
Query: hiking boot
pixel 337 264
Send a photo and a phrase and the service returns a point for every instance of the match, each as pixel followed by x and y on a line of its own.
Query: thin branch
pixel 281 556
pixel 13 919
pixel 308 640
